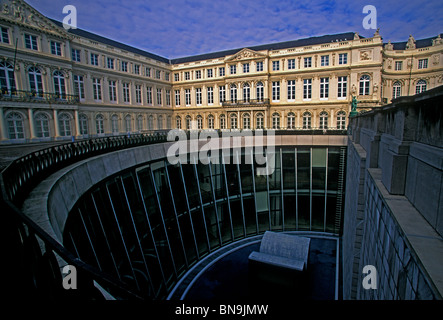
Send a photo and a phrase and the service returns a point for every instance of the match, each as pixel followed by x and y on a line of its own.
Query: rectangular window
pixel 259 66
pixel 222 93
pixel 159 97
pixel 275 65
pixel 198 96
pixel 168 98
pixel 342 87
pixel 138 93
pixel 307 89
pixel 79 87
pixel 158 74
pixel 149 95
pixel 187 75
pixel 31 42
pixel 324 88
pixel 148 72
pixel 210 73
pixel 110 63
pixel 233 69
pixel 291 64
pixel 97 89
pixel 221 71
pixel 210 95
pixel 343 58
pixel 167 76
pixel 276 91
pixel 324 61
pixel 4 35
pixel 94 59
pixel 124 66
pixel 112 90
pixel 422 63
pixel 188 97
pixel 136 69
pixel 291 89
pixel 177 97
pixel 75 53
pixel 245 67
pixel 198 74
pixel 176 77
pixel 308 62
pixel 398 65
pixel 126 96
pixel 56 48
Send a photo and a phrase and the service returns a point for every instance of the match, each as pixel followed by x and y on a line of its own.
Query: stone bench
pixel 283 250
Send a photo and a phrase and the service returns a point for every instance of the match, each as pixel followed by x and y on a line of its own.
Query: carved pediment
pixel 245 54
pixel 19 12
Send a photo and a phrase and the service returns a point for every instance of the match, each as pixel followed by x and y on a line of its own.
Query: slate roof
pixel 116 44
pixel 421 43
pixel 273 46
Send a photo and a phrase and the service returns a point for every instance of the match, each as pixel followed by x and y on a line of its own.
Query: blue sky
pixel 180 28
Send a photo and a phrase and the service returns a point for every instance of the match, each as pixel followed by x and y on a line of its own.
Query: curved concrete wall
pixel 51 201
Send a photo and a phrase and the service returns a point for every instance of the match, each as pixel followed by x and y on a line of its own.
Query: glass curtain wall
pixel 148 225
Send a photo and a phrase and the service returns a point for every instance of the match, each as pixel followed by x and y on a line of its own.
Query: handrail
pixel 23 174
pixel 34 96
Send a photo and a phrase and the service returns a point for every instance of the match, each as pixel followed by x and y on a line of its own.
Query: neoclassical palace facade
pixel 58 84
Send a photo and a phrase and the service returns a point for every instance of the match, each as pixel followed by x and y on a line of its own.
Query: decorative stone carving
pixel 20 12
pixel 365 55
pixel 389 46
pixel 411 42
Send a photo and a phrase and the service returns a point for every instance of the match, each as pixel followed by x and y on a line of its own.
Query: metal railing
pixel 34 272
pixel 245 103
pixel 33 96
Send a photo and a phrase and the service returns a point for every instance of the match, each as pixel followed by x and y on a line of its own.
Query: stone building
pixel 58 84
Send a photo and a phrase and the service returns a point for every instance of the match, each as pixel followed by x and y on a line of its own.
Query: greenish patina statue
pixel 354 111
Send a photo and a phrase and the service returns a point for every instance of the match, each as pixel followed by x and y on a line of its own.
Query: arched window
pixel 139 123
pixel 7 78
pixel 246 92
pixel 188 122
pixel 260 92
pixel 169 122
pixel 234 121
pixel 160 122
pixel 259 121
pixel 99 124
pixel 246 121
pixel 199 122
pixel 323 120
pixel 222 121
pixel 396 89
pixel 233 93
pixel 64 122
pixel 41 121
pixel 114 124
pixel 420 86
pixel 275 121
pixel 365 82
pixel 341 120
pixel 128 123
pixel 291 120
pixel 178 122
pixel 59 85
pixel 151 122
pixel 35 82
pixel 210 121
pixel 15 126
pixel 306 120
pixel 83 119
